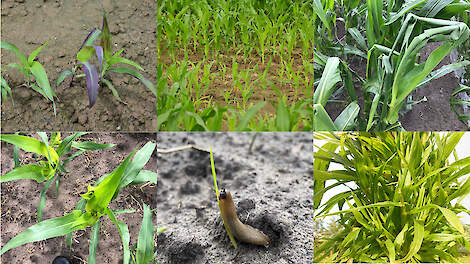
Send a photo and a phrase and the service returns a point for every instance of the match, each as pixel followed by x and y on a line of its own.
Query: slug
pixel 242 232
pixel 61 260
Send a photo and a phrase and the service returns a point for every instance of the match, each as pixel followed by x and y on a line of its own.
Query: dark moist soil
pixel 433 115
pixel 20 199
pixel 262 92
pixel 271 187
pixel 28 24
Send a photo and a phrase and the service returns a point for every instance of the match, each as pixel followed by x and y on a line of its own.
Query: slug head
pixel 222 194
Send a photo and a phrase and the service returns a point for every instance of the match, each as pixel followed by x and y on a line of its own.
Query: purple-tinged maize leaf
pixel 90 39
pixel 85 54
pixel 99 54
pixel 91 81
pixel 33 54
pixel 137 75
pixel 106 38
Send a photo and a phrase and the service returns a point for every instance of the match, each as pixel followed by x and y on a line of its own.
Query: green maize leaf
pixel 124 232
pixel 44 138
pixel 62 76
pixel 282 116
pixel 145 241
pixel 99 196
pixel 321 119
pixel 113 90
pixel 453 10
pixel 375 21
pixel 432 7
pixel 145 176
pixel 243 123
pixel 137 75
pixel 407 7
pixel 16 51
pixel 6 87
pixel 95 235
pixel 42 199
pixel 31 145
pixel 198 119
pixel 86 145
pixel 330 77
pixel 41 79
pixel 33 54
pixel 346 120
pixel 409 75
pixel 66 144
pixel 51 228
pixel 115 60
pixel 138 162
pixel 318 10
pixel 30 171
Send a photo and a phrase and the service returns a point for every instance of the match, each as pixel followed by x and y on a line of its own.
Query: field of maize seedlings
pixel 234 65
pixel 402 197
pixel 37 94
pixel 391 65
pixel 88 197
pixel 269 176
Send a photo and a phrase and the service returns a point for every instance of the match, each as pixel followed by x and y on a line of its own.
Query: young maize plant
pixel 405 200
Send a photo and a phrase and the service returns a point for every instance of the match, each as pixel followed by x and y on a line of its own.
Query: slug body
pixel 242 232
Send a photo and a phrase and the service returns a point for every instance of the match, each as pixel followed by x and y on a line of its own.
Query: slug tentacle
pixel 242 232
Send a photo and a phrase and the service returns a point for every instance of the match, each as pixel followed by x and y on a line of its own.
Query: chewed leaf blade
pixel 137 75
pixel 91 81
pixel 106 38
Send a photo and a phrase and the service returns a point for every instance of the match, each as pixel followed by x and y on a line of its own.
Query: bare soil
pixel 29 24
pixel 19 201
pixel 271 186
